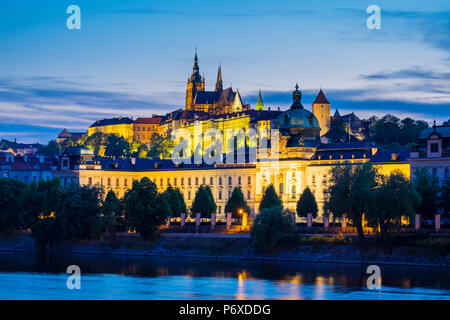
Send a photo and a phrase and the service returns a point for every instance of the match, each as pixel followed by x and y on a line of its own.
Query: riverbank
pixel 307 249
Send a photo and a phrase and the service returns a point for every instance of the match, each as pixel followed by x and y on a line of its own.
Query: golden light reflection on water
pixel 242 276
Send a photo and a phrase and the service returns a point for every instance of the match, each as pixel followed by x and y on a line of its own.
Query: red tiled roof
pixel 321 98
pixel 154 120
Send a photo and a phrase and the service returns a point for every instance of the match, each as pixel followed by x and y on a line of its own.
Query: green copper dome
pixel 297 116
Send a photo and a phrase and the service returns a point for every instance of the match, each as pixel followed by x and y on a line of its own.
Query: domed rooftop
pixel 297 117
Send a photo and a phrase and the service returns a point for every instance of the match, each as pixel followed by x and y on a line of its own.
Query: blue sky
pixel 132 58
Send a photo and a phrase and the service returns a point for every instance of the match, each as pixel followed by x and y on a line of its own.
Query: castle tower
pixel 195 83
pixel 219 85
pixel 260 103
pixel 321 109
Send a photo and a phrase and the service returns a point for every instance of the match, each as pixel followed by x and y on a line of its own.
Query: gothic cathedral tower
pixel 195 83
pixel 321 109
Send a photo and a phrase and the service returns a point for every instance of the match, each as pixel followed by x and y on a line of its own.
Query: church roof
pixel 321 99
pixel 212 97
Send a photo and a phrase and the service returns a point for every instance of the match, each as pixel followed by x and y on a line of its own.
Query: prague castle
pixel 303 157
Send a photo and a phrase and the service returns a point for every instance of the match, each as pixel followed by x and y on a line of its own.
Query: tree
pixel 111 213
pixel 51 150
pixel 337 132
pixel 95 142
pixel 160 147
pixel 387 130
pixel 237 202
pixel 270 199
pixel 175 200
pixel 12 192
pixel 116 146
pixel 80 212
pixel 393 198
pixel 46 232
pixel 42 200
pixel 203 202
pixel 307 204
pixel 350 192
pixel 146 210
pixel 428 188
pixel 270 225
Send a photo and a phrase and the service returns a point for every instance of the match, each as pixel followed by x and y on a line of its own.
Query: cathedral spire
pixel 196 70
pixel 219 85
pixel 260 103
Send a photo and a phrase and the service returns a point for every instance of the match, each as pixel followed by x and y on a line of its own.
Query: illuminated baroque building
pixel 302 160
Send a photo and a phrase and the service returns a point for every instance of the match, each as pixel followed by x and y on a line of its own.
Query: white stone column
pixel 344 221
pixel 168 221
pixel 309 220
pixel 437 222
pixel 228 220
pixel 213 220
pixel 293 217
pixel 183 219
pixel 417 224
pixel 197 221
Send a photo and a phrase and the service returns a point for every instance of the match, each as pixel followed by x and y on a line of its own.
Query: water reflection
pixel 121 277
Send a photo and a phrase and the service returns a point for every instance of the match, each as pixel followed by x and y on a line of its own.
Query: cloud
pixel 415 72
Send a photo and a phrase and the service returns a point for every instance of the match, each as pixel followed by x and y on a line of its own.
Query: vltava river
pixel 33 276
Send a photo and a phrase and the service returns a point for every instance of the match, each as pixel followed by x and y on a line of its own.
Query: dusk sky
pixel 132 58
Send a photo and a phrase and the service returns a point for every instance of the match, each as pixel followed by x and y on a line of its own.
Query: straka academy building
pixel 303 158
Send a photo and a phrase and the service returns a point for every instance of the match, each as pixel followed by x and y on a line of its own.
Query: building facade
pixel 300 161
pixel 433 152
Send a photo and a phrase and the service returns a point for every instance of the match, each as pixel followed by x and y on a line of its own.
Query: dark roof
pixel 359 150
pixel 149 164
pixel 154 120
pixel 442 131
pixel 112 121
pixel 390 156
pixel 321 99
pixel 213 97
pixel 206 97
pixel 345 145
